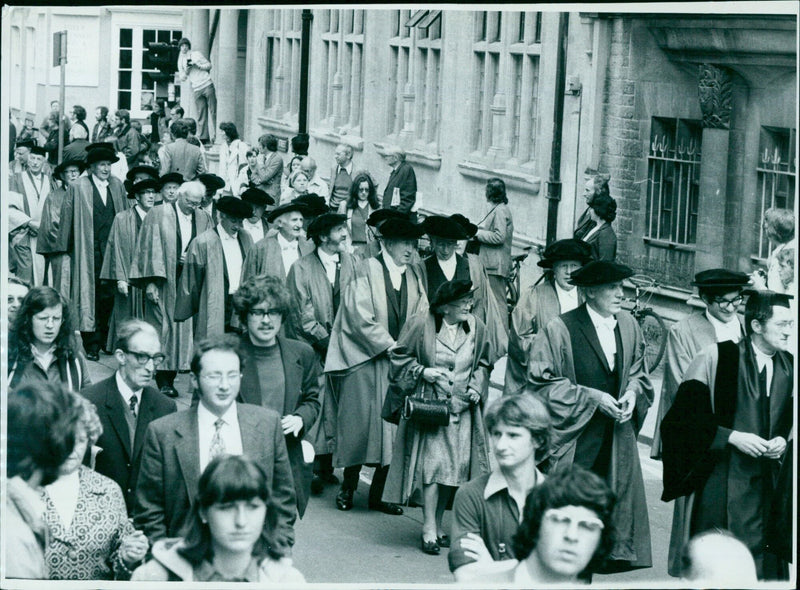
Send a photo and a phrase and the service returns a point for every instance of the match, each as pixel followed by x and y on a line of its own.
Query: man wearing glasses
pixel 725 437
pixel 178 448
pixel 126 404
pixel 721 291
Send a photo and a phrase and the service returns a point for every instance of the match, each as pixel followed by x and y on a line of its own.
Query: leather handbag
pixel 424 410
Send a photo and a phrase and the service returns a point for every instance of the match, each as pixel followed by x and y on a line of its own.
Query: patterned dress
pixel 87 550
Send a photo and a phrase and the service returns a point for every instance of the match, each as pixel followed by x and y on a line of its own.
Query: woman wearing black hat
pixel 602 239
pixel 444 353
pixel 447 264
pixel 120 251
pixel 541 303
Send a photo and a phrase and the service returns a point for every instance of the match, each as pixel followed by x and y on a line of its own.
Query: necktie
pixel 217 444
pixel 132 403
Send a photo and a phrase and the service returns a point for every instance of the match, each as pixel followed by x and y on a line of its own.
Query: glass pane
pixel 147 100
pixel 123 100
pixel 163 36
pixel 125 58
pixel 124 80
pixel 148 36
pixel 126 37
pixel 147 63
pixel 147 81
pixel 176 35
pixel 521 35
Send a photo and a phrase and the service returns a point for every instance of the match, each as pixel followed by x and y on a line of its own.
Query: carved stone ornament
pixel 716 96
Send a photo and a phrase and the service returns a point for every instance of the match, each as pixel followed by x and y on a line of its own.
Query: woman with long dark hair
pixel 363 200
pixel 42 343
pixel 224 542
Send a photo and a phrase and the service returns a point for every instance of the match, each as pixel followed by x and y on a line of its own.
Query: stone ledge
pixel 330 136
pixel 513 179
pixel 426 159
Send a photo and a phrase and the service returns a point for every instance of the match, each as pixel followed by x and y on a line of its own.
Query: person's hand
pixel 152 293
pixel 474 397
pixel 33 228
pixel 775 448
pixel 748 443
pixel 432 374
pixel 292 424
pixel 133 548
pixel 474 548
pixel 626 405
pixel 608 405
pixel 122 287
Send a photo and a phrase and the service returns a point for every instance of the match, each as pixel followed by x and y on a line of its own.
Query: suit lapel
pixel 116 414
pixel 292 369
pixel 188 452
pixel 590 334
pixel 147 408
pixel 252 438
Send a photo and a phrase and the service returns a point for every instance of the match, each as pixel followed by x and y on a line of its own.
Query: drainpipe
pixel 554 180
pixel 301 140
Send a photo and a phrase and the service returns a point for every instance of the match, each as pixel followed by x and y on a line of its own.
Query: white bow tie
pixel 289 248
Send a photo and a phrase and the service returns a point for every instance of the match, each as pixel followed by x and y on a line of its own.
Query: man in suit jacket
pixel 589 367
pixel 180 156
pixel 341 176
pixel 401 188
pixel 126 404
pixel 270 166
pixel 178 447
pixel 279 373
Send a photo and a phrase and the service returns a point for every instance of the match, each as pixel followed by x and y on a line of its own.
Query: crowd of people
pixel 321 332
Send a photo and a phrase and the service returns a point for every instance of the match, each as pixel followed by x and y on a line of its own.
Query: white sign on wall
pixel 83 50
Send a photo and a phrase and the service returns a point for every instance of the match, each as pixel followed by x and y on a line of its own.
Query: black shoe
pixel 169 391
pixel 344 499
pixel 327 478
pixel 317 486
pixel 443 541
pixel 429 547
pixel 387 508
pixel 93 355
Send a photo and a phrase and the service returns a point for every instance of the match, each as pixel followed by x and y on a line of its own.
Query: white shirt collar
pixel 98 182
pixel 731 330
pixel 600 321
pixel 347 168
pixel 285 244
pixel 448 267
pixel 568 300
pixel 497 482
pixel 140 211
pixel 126 391
pixel 206 419
pixel 762 358
pixel 392 266
pixel 46 358
pixel 327 259
pixel 223 234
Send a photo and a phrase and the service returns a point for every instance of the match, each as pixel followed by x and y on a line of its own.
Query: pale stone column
pixel 228 36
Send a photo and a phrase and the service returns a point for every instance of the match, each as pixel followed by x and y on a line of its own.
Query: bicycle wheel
pixel 654 332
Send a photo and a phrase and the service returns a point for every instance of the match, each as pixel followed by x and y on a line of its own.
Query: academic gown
pixel 53 243
pixel 685 340
pixel 537 306
pixel 309 287
pixel 203 287
pixel 357 358
pixel 26 204
pixel 712 483
pixel 117 264
pixel 486 307
pixel 77 214
pixel 156 261
pixel 551 376
pixel 265 258
pixel 415 350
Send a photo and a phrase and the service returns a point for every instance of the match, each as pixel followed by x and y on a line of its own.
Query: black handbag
pixel 473 247
pixel 424 410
